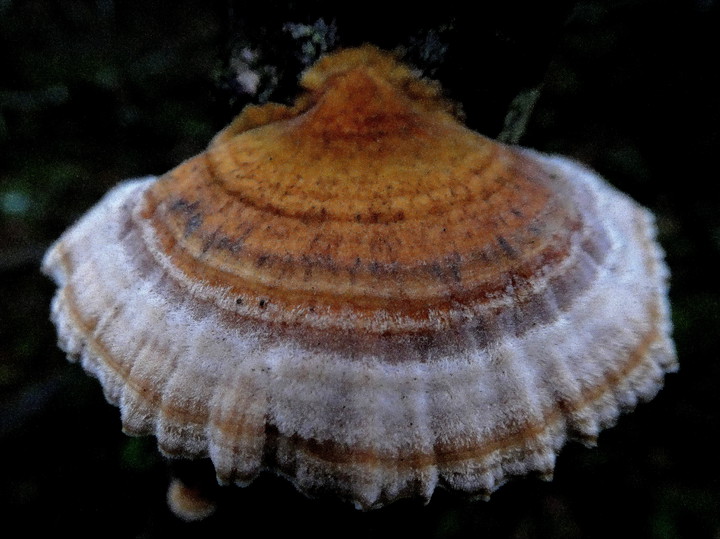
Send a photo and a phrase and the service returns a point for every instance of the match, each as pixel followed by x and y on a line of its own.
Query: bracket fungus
pixel 361 295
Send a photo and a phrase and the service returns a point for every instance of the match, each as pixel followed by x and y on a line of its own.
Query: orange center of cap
pixel 365 151
pixel 366 192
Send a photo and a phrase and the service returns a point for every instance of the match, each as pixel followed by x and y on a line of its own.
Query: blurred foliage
pixel 92 92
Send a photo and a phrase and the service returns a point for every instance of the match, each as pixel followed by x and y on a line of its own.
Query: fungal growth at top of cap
pixel 363 296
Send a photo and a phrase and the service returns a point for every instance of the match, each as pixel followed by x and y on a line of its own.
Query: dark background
pixel 92 92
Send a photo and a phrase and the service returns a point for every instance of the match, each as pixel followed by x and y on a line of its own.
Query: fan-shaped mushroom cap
pixel 364 296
